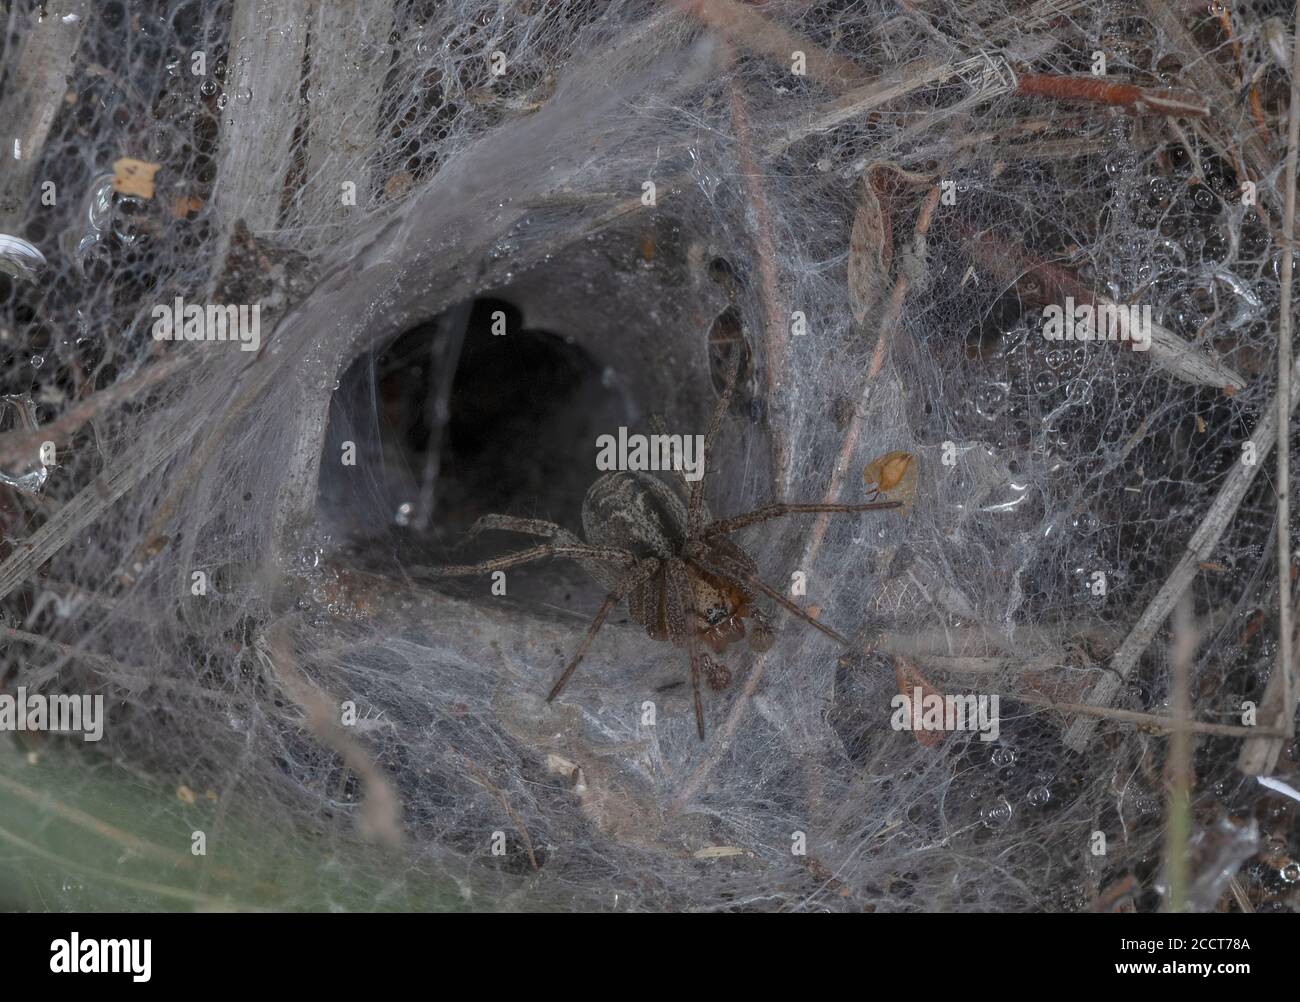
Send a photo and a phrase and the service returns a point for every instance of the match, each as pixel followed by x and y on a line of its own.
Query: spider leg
pixel 729 569
pixel 529 526
pixel 659 428
pixel 641 572
pixel 681 618
pixel 697 489
pixel 771 511
pixel 577 551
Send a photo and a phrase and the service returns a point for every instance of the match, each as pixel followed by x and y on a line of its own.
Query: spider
pixel 682 578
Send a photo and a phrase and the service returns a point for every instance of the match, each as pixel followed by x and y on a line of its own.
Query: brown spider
pixel 683 580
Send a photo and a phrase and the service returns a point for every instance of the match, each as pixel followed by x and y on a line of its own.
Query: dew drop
pixel 996 815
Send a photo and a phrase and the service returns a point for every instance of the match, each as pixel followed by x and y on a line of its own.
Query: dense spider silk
pixel 1067 460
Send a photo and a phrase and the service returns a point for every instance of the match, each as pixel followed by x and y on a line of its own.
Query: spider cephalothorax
pixel 659 550
pixel 637 512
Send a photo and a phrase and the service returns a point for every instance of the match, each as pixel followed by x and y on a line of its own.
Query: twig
pixel 1286 664
pixel 19 446
pixel 344 99
pixel 1134 99
pixel 1279 695
pixel 382 810
pixel 888 321
pixel 911 77
pixel 1199 548
pixel 265 76
pixel 1052 284
pixel 1203 74
pixel 1179 763
pixel 751 30
pixel 858 102
pixel 1256 106
pixel 88 505
pixel 769 284
pixel 1149 720
pixel 482 780
pixel 32 98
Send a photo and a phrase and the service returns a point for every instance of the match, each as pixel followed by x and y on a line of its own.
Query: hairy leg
pixel 771 511
pixel 634 577
pixel 528 526
pixel 608 554
pixel 683 485
pixel 681 618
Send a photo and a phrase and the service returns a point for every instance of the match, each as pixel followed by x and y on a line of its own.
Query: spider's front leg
pixel 682 626
pixel 527 526
pixel 642 571
pixel 576 551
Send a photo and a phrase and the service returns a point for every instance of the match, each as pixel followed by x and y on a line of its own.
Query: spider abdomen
pixel 635 511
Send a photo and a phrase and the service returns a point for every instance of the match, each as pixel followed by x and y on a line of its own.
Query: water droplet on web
pixel 404 512
pixel 1003 756
pixel 1085 522
pixel 1290 873
pixel 1079 391
pixel 991 400
pixel 20 258
pixel 223 100
pixel 1039 796
pixel 20 413
pixel 36 361
pixel 1044 382
pixel 208 88
pixel 244 95
pixel 996 815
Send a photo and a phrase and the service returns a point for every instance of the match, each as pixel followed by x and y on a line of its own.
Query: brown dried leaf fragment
pixel 893 476
pixel 909 679
pixel 134 177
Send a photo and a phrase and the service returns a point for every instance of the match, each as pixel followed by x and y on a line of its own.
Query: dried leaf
pixel 893 475
pixel 870 252
pixel 134 177
pixel 909 679
pixel 397 185
pixel 182 205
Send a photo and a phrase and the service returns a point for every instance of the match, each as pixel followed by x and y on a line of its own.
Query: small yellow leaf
pixel 186 795
pixel 893 475
pixel 134 177
pixel 182 205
